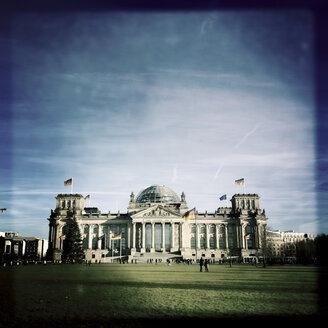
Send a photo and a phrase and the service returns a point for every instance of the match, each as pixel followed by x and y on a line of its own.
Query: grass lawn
pixel 109 292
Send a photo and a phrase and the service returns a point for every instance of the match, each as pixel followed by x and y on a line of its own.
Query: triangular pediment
pixel 156 211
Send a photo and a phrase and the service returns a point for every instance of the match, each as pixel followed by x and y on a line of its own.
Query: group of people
pixel 204 263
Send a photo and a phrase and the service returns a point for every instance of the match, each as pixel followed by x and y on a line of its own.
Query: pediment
pixel 156 211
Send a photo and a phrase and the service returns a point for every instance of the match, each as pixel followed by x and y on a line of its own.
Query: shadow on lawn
pixel 164 322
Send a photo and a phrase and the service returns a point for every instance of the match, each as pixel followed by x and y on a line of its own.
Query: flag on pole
pixel 190 215
pixel 3 210
pixel 240 181
pixel 68 182
pixel 87 197
pixel 116 237
pixel 223 197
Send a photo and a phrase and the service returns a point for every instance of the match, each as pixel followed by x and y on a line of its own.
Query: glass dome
pixel 157 194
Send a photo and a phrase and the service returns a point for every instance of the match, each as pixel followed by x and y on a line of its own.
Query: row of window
pixel 68 204
pixel 222 243
pixel 247 204
pixel 212 229
pixel 105 244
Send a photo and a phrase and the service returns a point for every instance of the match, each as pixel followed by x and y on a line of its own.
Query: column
pixel 129 235
pixel 242 236
pixel 98 237
pixel 217 230
pixel 238 236
pixel 55 236
pixel 90 237
pixel 226 235
pixel 50 235
pixel 172 235
pixel 197 237
pixel 152 237
pixel 163 236
pixel 207 239
pixel 257 236
pixel 143 243
pixel 134 235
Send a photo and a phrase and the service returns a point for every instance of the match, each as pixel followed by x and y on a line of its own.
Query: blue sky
pixel 192 100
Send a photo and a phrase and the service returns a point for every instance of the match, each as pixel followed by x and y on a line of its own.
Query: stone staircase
pixel 160 257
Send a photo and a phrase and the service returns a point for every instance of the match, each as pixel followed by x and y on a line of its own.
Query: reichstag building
pixel 155 226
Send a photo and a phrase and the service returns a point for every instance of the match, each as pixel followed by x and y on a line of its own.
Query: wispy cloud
pixel 174 174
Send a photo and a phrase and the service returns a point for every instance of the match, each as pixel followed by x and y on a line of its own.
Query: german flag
pixel 190 215
pixel 240 181
pixel 68 182
pixel 116 237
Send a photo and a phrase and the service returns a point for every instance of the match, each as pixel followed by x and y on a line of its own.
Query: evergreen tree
pixel 72 247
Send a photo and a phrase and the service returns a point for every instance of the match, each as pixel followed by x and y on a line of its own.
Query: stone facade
pixel 282 243
pixel 154 225
pixel 18 248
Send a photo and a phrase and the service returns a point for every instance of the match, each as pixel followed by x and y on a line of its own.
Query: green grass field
pixel 109 292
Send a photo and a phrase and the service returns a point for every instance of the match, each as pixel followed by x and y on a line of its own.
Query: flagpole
pixel 72 186
pixel 196 232
pixel 120 247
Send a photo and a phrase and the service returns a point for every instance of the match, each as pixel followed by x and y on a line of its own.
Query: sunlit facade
pixel 155 226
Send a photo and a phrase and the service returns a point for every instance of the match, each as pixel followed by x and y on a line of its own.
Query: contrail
pixel 248 134
pixel 218 171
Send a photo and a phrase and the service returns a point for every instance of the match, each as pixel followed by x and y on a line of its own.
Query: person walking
pixel 201 263
pixel 205 265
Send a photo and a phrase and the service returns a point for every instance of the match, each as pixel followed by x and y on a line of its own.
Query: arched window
pixel 94 242
pixel 212 228
pixel 65 229
pixel 221 243
pixel 193 243
pixel 248 229
pixel 202 228
pixel 212 242
pixel 253 203
pixel 63 204
pixel 250 243
pixel 85 243
pixel 193 228
pixel 242 204
pixel 222 229
pixel 202 242
pixel 248 204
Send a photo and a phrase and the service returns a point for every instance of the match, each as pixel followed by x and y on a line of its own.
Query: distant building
pixel 16 248
pixel 155 227
pixel 282 243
